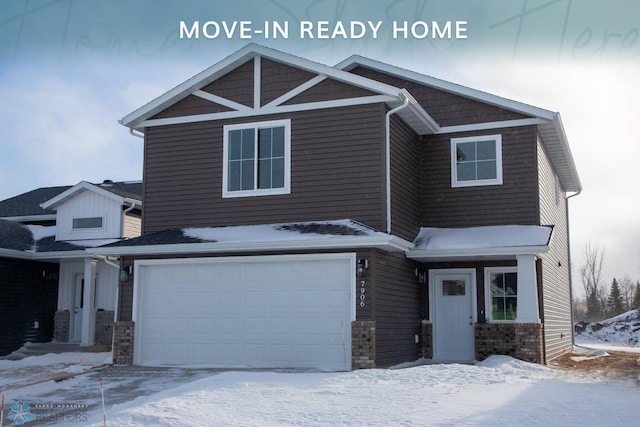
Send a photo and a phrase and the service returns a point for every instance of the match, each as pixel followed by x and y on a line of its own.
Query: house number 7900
pixel 362 291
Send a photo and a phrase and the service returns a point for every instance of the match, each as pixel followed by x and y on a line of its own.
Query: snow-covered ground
pixel 497 391
pixel 622 330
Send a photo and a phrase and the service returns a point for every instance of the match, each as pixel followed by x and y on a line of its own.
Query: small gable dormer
pixel 88 211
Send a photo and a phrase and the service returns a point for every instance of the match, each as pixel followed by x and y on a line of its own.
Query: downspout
pixel 139 135
pixel 573 337
pixel 387 123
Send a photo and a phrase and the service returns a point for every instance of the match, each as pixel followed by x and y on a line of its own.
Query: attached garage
pixel 281 311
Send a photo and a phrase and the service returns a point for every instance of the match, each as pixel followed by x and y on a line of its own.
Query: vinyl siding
pixel 191 105
pixel 513 202
pixel 336 172
pixel 556 296
pixel 405 200
pixel 278 79
pixel 132 226
pixel 397 308
pixel 89 204
pixel 237 85
pixel 446 108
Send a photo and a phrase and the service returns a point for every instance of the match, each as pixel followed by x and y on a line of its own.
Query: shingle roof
pixel 28 204
pixel 15 236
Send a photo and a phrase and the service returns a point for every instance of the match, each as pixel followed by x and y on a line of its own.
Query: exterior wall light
pixel 361 266
pixel 125 272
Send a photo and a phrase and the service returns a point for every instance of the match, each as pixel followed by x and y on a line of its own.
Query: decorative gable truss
pixel 258 81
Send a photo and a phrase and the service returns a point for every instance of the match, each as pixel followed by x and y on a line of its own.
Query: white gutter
pixel 387 123
pixel 346 242
pixel 29 218
pixel 496 251
pixel 132 132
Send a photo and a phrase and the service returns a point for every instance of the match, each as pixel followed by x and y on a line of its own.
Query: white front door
pixel 78 306
pixel 453 320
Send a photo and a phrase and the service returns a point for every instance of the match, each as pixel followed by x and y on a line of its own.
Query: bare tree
pixel 627 290
pixel 591 275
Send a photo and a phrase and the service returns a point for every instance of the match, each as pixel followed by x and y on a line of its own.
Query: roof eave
pixel 447 254
pixel 389 243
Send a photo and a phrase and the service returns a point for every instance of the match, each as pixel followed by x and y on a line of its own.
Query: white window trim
pixel 287 159
pixel 87 229
pixel 487 292
pixel 481 182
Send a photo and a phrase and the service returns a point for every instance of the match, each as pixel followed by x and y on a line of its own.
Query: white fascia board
pixel 389 243
pixel 473 127
pixel 137 118
pixel 473 252
pixel 564 143
pixel 11 253
pixel 272 110
pixel 43 256
pixel 81 186
pixel 30 218
pixel 355 60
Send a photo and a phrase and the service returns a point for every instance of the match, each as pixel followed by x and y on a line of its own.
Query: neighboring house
pixel 43 261
pixel 363 215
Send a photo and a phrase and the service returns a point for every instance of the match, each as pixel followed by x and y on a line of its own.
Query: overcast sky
pixel 70 69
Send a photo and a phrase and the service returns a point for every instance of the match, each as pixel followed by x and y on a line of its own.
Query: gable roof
pixel 549 123
pixel 123 192
pixel 414 115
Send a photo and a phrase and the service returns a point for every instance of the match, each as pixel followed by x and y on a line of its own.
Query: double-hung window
pixel 257 159
pixel 501 293
pixel 476 161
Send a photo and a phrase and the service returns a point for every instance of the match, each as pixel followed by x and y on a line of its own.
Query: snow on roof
pixel 281 232
pixel 488 240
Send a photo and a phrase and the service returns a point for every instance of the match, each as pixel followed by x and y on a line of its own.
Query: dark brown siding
pixel 278 79
pixel 397 307
pixel 236 85
pixel 328 90
pixel 513 202
pixel 405 198
pixel 336 173
pixel 191 105
pixel 446 108
pixel 29 294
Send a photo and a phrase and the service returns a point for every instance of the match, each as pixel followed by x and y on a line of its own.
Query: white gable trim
pixel 220 100
pixel 257 78
pixel 136 119
pixel 297 91
pixel 269 110
pixel 79 187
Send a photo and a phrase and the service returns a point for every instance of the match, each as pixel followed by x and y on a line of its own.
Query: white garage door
pixel 256 312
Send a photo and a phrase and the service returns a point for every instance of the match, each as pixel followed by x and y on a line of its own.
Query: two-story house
pixel 44 234
pixel 362 215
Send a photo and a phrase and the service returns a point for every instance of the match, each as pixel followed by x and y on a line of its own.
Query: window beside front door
pixel 476 161
pixel 257 159
pixel 501 290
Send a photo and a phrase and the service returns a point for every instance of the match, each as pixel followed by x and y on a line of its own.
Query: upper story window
pixel 257 159
pixel 501 293
pixel 476 161
pixel 87 223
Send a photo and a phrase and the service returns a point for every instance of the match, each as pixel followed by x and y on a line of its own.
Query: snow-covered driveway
pixel 498 391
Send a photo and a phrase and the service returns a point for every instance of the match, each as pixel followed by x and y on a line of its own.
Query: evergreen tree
pixel 594 310
pixel 636 297
pixel 615 301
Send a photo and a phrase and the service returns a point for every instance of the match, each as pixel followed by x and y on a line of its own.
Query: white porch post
pixel 527 290
pixel 89 311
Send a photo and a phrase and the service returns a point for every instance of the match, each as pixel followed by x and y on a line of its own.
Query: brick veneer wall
pixel 61 325
pixel 363 344
pixel 520 340
pixel 427 341
pixel 104 327
pixel 123 343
